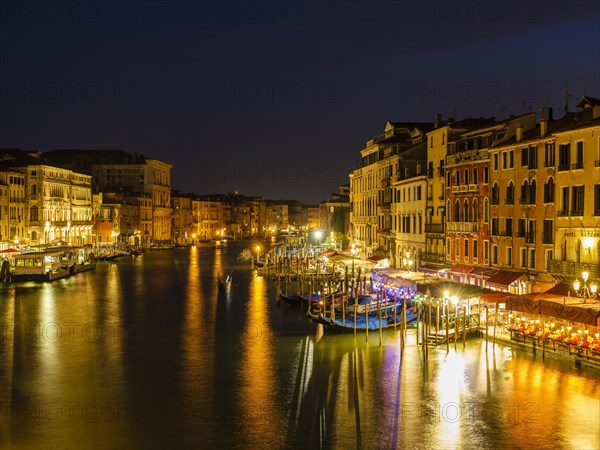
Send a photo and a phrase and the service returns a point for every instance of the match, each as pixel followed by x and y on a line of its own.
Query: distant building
pixel 383 163
pixel 116 170
pixel 58 206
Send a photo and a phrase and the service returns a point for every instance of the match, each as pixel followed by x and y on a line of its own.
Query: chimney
pixel 543 121
pixel 519 133
pixel 438 120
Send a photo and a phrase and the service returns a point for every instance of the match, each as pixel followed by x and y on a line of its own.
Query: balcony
pixel 433 258
pixel 464 227
pixel 465 189
pixel 573 268
pixel 384 206
pixel 434 228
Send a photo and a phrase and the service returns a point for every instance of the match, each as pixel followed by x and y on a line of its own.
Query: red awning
pixel 461 269
pixel 564 289
pixel 430 268
pixel 503 279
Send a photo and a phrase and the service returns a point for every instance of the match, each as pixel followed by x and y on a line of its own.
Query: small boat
pixel 339 325
pixel 225 283
pixel 292 300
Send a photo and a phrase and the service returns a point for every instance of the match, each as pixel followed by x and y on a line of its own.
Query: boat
pixel 225 283
pixel 339 325
pixel 292 300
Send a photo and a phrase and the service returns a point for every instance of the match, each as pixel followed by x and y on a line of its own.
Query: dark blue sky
pixel 277 98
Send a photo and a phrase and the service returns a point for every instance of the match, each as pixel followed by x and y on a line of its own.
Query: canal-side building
pixel 334 213
pixel 407 204
pixel 58 201
pixel 471 203
pixel 12 208
pixel 371 187
pixel 576 166
pixel 433 258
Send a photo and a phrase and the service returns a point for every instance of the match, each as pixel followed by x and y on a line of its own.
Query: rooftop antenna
pixel 567 94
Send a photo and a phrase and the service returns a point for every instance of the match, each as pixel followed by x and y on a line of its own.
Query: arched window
pixel 549 191
pixel 486 210
pixel 495 194
pixel 457 211
pixel 475 214
pixel 466 211
pixel 525 193
pixel 510 193
pixel 33 214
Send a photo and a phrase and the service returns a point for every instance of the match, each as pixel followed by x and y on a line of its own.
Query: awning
pixel 564 289
pixel 459 290
pixel 503 279
pixel 461 269
pixel 431 268
pixel 483 273
pixel 567 308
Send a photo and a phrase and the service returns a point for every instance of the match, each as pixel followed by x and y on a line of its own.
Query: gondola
pixel 292 300
pixel 340 326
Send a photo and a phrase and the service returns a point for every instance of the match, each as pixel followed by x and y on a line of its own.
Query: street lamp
pixel 407 261
pixel 586 291
pixel 353 251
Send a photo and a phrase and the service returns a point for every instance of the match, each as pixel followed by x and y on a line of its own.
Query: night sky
pixel 278 98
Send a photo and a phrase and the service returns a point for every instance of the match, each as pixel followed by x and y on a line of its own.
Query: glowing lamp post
pixel 584 290
pixel 407 261
pixel 353 251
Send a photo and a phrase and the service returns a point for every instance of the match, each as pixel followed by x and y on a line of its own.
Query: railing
pixel 468 227
pixel 574 268
pixel 432 257
pixel 465 189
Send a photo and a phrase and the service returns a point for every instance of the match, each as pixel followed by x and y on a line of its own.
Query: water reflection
pixel 186 365
pixel 260 416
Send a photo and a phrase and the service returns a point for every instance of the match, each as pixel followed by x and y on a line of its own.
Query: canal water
pixel 147 353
